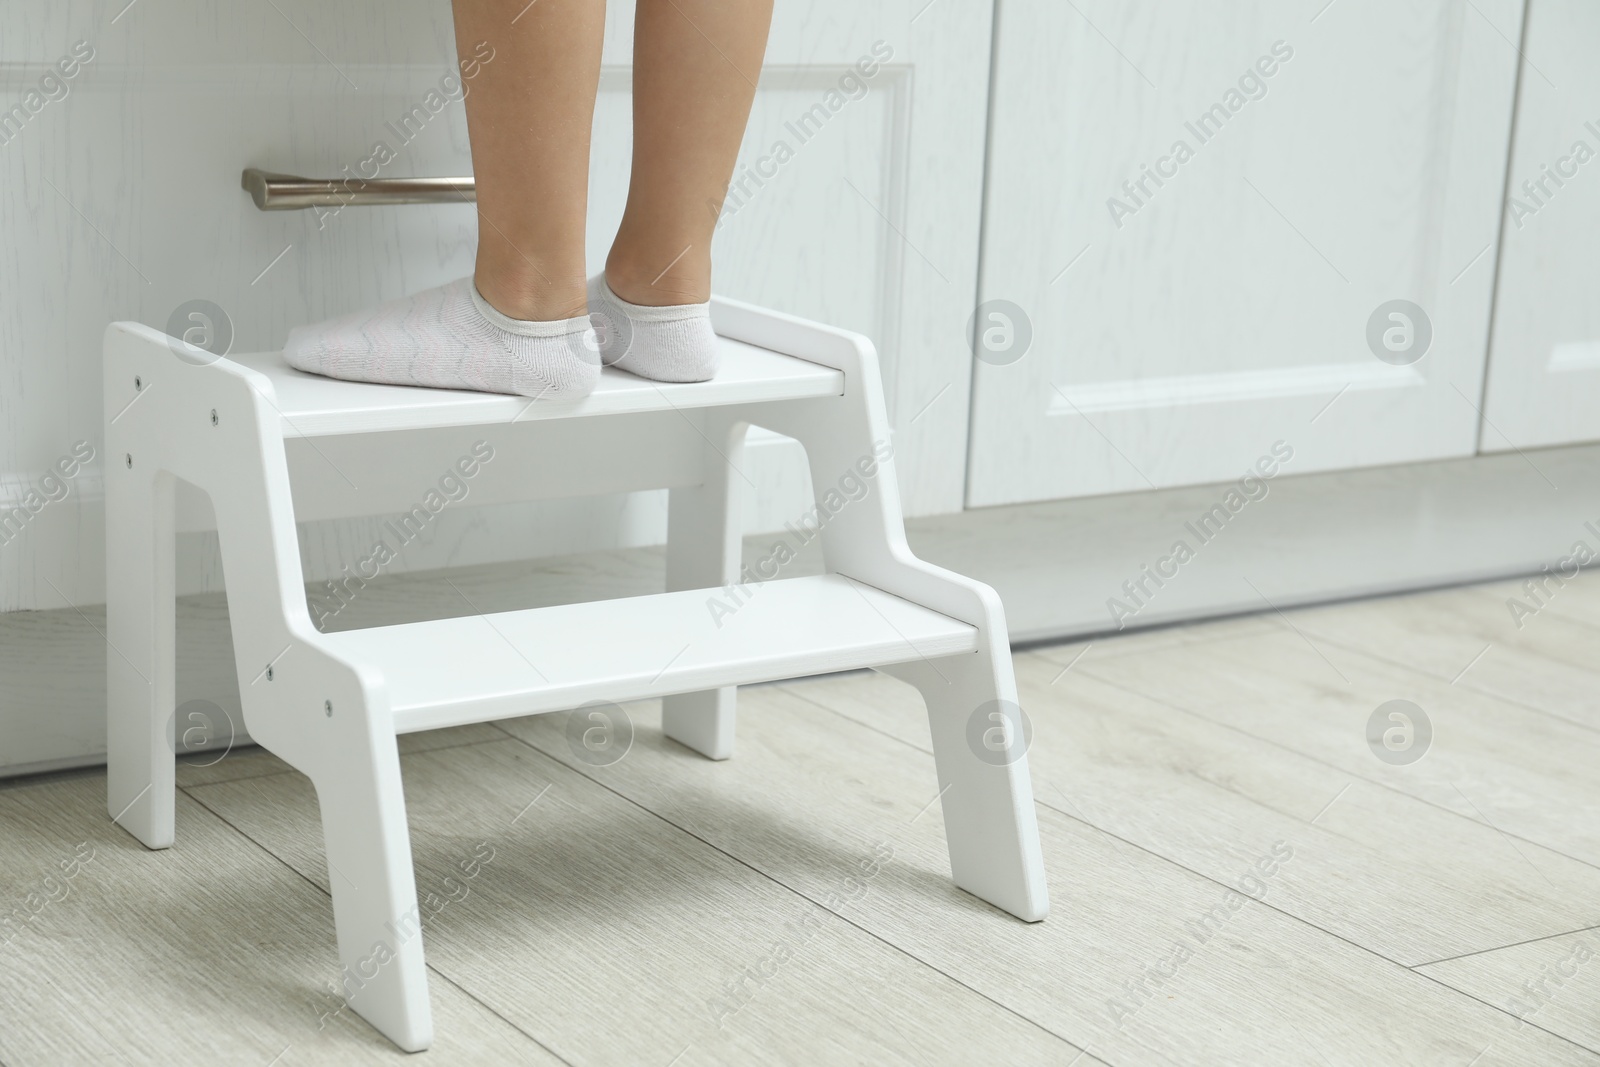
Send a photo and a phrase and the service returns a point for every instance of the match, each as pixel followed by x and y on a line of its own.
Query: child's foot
pixel 668 344
pixel 451 338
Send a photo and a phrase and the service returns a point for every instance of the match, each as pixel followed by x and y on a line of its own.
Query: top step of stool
pixel 313 406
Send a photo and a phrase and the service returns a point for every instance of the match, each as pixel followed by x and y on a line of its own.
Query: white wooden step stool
pixel 332 704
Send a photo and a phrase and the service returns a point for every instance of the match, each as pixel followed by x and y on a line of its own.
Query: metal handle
pixel 286 192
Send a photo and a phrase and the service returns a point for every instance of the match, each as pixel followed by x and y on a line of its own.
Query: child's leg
pixel 695 67
pixel 523 328
pixel 529 113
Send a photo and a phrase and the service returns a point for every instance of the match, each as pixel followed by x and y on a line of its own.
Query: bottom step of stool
pixel 478 668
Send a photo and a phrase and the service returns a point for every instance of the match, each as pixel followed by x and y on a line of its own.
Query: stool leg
pixel 986 796
pixel 704 547
pixel 382 973
pixel 141 645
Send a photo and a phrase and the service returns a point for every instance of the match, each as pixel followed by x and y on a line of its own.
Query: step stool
pixel 332 704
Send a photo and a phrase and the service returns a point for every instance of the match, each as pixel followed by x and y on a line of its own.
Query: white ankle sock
pixel 668 344
pixel 451 338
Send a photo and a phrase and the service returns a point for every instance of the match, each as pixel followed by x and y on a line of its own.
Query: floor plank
pixel 1577 599
pixel 1405 879
pixel 613 937
pixel 208 952
pixel 807 785
pixel 1469 636
pixel 252 761
pixel 1553 983
pixel 1526 774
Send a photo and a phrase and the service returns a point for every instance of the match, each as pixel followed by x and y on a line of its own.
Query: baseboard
pixel 1310 538
pixel 1056 566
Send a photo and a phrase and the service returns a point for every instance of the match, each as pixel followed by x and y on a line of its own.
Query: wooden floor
pixel 1236 876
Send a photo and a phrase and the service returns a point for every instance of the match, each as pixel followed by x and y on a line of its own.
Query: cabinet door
pixel 1544 357
pixel 856 201
pixel 1201 220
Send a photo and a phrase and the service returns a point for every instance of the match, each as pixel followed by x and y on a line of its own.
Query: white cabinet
pixel 1195 214
pixel 1199 208
pixel 120 199
pixel 857 201
pixel 1544 364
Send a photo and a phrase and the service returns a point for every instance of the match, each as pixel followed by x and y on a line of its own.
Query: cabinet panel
pixel 1544 357
pixel 1200 215
pixel 121 200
